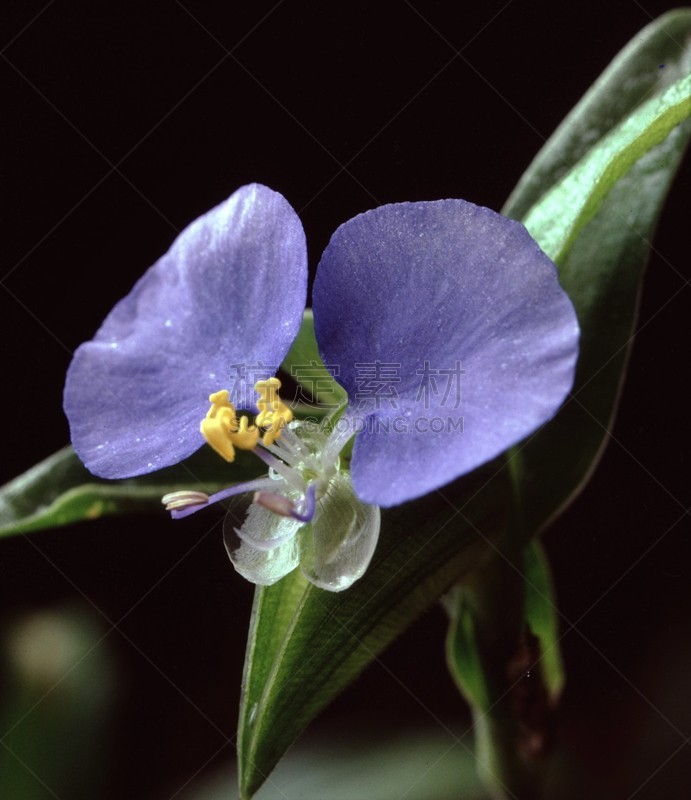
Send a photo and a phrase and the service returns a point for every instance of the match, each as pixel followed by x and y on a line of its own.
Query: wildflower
pixel 430 290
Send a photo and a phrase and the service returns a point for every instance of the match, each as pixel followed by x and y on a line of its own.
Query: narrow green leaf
pixel 595 191
pixel 276 607
pixel 601 268
pixel 306 661
pixel 656 57
pixel 295 666
pixel 60 490
pixel 303 363
pixel 557 219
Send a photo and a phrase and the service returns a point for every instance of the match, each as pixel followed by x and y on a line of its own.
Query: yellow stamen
pixel 222 429
pixel 246 435
pixel 273 412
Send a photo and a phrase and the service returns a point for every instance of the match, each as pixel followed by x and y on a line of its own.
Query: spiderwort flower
pixel 422 286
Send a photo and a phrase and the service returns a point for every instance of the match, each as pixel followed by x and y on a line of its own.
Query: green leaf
pixel 320 641
pixel 652 61
pixel 595 191
pixel 303 363
pixel 60 490
pixel 605 225
pixel 306 644
pixel 557 219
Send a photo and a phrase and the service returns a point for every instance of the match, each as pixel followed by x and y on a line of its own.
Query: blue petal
pixel 441 286
pixel 231 290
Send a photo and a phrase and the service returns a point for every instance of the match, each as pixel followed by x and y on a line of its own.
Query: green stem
pixel 494 658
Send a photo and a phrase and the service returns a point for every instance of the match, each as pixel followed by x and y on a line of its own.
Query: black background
pixel 121 123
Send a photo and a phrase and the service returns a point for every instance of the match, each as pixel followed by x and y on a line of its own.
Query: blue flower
pixel 453 304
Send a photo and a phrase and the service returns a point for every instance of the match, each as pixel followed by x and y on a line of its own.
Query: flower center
pixel 302 457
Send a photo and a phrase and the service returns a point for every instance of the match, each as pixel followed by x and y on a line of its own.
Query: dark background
pixel 121 123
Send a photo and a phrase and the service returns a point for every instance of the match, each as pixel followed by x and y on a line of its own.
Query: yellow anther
pixel 223 431
pixel 273 412
pixel 268 398
pixel 246 435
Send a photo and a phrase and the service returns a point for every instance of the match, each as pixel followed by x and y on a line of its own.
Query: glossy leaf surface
pixel 601 265
pixel 306 645
pixel 60 490
pixel 307 659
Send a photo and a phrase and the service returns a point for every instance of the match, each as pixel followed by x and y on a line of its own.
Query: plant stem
pixel 494 658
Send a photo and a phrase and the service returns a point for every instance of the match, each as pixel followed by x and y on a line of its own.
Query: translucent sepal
pixel 339 544
pixel 265 548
